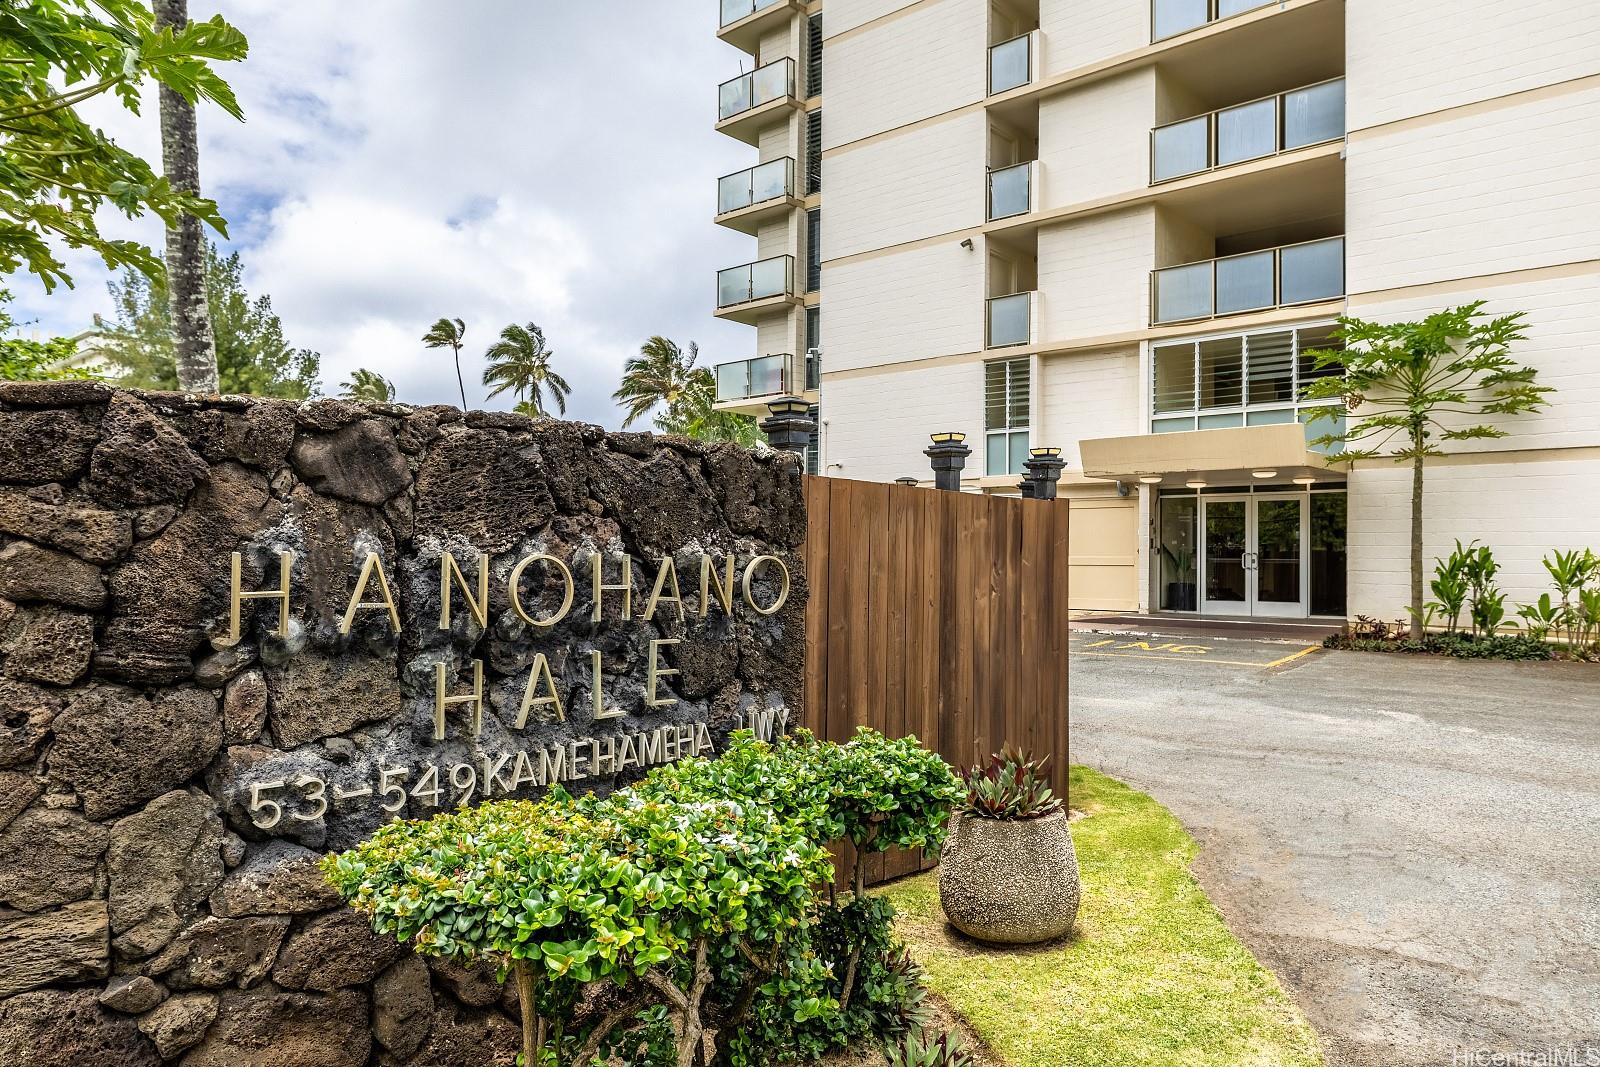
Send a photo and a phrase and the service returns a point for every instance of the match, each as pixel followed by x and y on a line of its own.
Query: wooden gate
pixel 938 614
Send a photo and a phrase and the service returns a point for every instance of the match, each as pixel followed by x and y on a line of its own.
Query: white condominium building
pixel 1115 226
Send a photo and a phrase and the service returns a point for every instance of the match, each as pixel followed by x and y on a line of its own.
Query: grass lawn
pixel 1150 975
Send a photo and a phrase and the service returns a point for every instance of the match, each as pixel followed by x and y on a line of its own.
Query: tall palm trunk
pixel 1416 541
pixel 194 348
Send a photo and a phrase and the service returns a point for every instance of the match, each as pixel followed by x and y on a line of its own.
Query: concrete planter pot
pixel 1009 883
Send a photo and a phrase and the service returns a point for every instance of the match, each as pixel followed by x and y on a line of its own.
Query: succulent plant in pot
pixel 1008 873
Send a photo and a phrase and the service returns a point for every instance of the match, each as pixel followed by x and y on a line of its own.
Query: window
pixel 813 250
pixel 813 151
pixel 814 446
pixel 813 347
pixel 814 56
pixel 1238 380
pixel 1005 415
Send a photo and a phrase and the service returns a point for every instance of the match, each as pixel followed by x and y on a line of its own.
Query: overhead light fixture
pixel 1265 474
pixel 1305 479
pixel 1150 479
pixel 1195 483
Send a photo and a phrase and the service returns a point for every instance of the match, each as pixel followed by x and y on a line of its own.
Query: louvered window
pixel 813 250
pixel 813 347
pixel 1005 415
pixel 814 446
pixel 814 151
pixel 814 56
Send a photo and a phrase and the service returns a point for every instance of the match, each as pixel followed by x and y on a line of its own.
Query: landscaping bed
pixel 1150 975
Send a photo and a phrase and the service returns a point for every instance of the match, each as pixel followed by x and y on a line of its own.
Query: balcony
pixel 1255 130
pixel 1304 273
pixel 1011 63
pixel 1011 190
pixel 747 198
pixel 1168 18
pixel 748 103
pixel 746 292
pixel 742 23
pixel 747 385
pixel 1009 321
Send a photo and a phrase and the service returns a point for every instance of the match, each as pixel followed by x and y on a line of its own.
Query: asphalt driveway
pixel 1411 844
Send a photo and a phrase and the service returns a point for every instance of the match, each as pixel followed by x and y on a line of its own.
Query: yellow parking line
pixel 1291 658
pixel 1183 659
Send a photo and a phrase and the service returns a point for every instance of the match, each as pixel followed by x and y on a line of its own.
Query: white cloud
pixel 497 161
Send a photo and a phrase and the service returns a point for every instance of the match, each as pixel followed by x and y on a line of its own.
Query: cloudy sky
pixel 498 160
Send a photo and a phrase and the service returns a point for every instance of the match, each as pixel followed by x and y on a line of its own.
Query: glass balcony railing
pixel 1011 191
pixel 1011 64
pixel 772 180
pixel 734 10
pixel 762 85
pixel 755 281
pixel 1274 277
pixel 1254 130
pixel 1010 320
pixel 1168 18
pixel 761 376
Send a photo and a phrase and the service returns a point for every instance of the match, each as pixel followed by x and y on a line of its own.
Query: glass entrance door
pixel 1253 554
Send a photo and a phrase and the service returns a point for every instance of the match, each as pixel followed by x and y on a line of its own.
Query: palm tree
pixel 520 363
pixel 367 385
pixel 448 333
pixel 660 374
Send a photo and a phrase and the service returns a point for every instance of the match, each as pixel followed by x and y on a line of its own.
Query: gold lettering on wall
pixel 516 590
pixel 541 669
pixel 441 701
pixel 656 673
pixel 373 566
pixel 600 589
pixel 449 576
pixel 749 576
pixel 722 587
pixel 667 573
pixel 598 709
pixel 281 594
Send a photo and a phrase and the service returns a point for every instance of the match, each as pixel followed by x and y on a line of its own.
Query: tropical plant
pixel 696 415
pixel 520 363
pixel 1011 787
pixel 1410 385
pixel 24 360
pixel 1542 616
pixel 58 171
pixel 1485 602
pixel 919 1048
pixel 1450 586
pixel 368 386
pixel 449 333
pixel 253 358
pixel 659 376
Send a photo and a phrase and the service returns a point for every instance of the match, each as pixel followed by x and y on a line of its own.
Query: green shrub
pixel 1458 646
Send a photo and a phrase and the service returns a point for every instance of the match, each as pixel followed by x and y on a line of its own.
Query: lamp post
pixel 948 453
pixel 1044 466
pixel 789 426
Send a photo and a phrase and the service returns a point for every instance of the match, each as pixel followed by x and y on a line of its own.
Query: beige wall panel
pixel 1095 142
pixel 1412 58
pixel 1094 275
pixel 1520 509
pixel 1563 339
pixel 776 239
pixel 842 16
pixel 903 305
pixel 778 43
pixel 1475 194
pixel 776 142
pixel 1087 396
pixel 878 425
pixel 1080 32
pixel 776 333
pixel 920 182
pixel 1103 554
pixel 926 62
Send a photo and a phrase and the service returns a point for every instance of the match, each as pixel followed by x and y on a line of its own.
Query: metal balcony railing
pixel 762 85
pixel 1011 63
pixel 762 376
pixel 734 10
pixel 1255 281
pixel 1010 320
pixel 1254 130
pixel 772 180
pixel 755 281
pixel 1168 18
pixel 1011 191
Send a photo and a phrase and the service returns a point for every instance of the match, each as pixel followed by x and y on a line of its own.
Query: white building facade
pixel 1115 226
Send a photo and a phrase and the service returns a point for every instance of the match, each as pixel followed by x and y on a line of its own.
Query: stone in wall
pixel 166 793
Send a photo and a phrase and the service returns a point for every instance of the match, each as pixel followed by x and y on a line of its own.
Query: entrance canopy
pixel 1224 456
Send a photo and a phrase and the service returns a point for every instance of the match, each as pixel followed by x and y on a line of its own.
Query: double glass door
pixel 1252 554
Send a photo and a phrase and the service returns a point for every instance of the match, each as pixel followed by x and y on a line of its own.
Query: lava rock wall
pixel 165 794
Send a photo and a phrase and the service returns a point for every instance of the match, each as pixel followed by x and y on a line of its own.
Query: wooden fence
pixel 938 614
